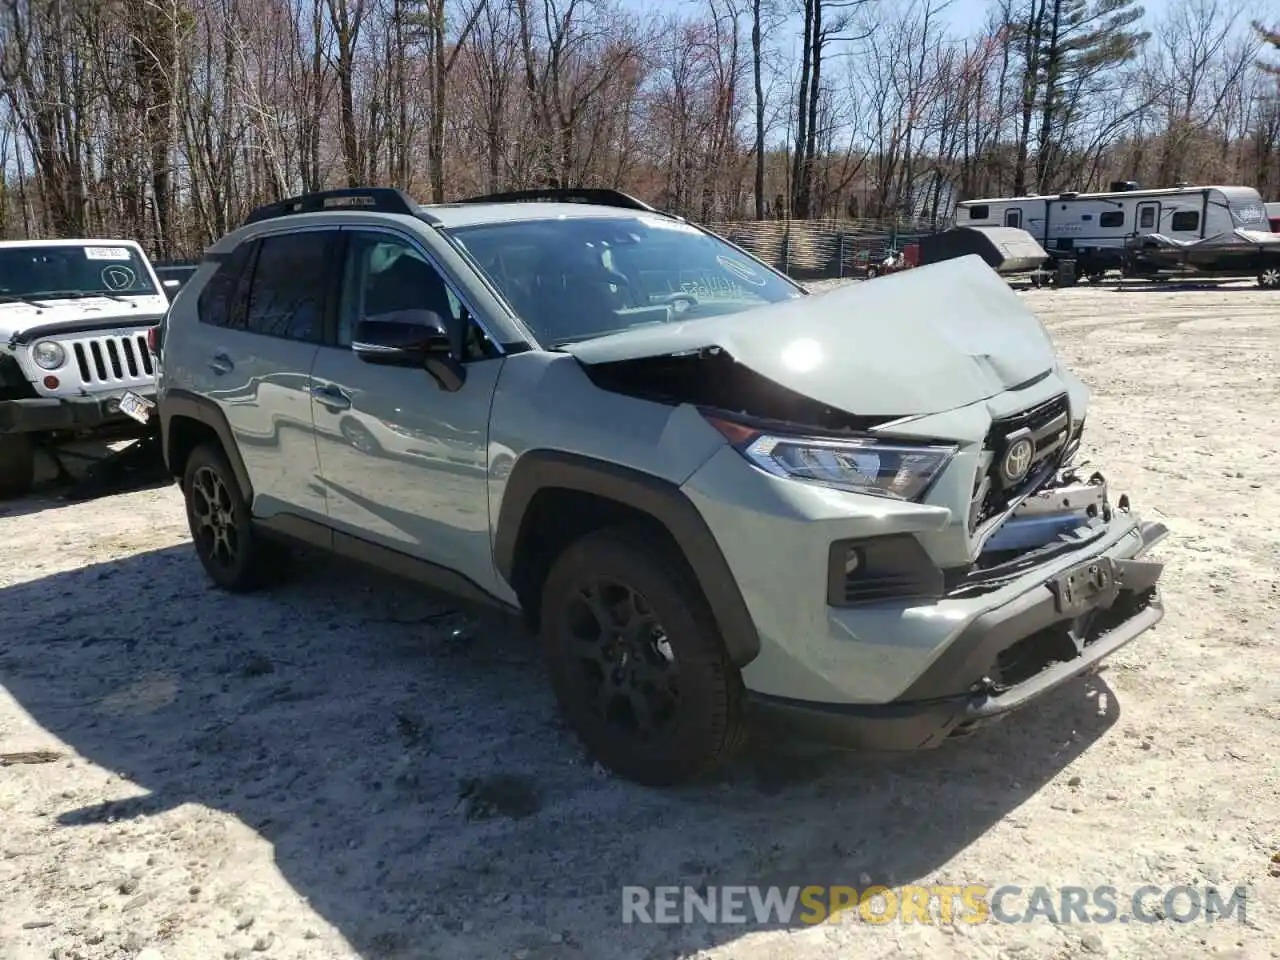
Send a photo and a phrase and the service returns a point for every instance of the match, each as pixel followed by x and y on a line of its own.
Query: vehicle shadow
pixel 417 786
pixel 89 471
pixel 1242 285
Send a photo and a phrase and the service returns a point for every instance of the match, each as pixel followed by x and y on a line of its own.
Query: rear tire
pixel 234 556
pixel 1269 278
pixel 17 465
pixel 636 661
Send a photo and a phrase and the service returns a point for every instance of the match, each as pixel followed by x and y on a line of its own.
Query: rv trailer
pixel 1096 229
pixel 1273 217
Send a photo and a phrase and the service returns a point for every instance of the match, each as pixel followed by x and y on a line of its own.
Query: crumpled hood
pixel 16 317
pixel 922 341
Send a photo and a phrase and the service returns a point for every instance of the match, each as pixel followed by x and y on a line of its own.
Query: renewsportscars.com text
pixel 939 903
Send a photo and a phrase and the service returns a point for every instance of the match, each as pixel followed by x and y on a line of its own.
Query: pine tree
pixel 1067 45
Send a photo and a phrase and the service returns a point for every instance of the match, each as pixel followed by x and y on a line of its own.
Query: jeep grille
pixel 114 360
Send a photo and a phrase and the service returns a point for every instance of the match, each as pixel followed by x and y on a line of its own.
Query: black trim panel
pixel 182 403
pixel 123 322
pixel 43 414
pixel 300 529
pixel 890 567
pixel 660 499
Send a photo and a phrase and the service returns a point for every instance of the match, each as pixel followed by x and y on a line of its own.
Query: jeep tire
pixel 636 662
pixel 234 556
pixel 17 465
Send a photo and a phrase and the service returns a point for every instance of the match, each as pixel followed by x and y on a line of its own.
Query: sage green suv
pixel 717 498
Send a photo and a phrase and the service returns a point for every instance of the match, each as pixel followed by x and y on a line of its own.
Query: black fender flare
pixel 660 499
pixel 183 403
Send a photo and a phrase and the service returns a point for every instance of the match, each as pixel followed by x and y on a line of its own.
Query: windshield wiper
pixel 75 295
pixel 14 298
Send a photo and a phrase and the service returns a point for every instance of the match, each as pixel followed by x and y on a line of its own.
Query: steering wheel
pixel 626 289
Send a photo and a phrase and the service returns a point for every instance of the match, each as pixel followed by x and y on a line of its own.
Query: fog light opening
pixel 852 562
pixel 51 382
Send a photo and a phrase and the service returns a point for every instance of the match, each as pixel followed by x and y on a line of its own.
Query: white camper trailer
pixel 1094 228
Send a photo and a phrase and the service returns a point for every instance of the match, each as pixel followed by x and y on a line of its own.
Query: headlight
pixel 48 355
pixel 881 467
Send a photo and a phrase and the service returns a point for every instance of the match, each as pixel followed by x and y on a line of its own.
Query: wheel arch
pixel 186 420
pixel 560 496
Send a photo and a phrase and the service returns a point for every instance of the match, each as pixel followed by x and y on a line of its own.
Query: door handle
pixel 331 397
pixel 221 363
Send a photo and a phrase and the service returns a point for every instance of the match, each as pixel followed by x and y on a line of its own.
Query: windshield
pixel 574 279
pixel 56 272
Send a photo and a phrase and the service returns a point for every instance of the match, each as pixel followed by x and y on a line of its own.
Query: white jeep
pixel 75 322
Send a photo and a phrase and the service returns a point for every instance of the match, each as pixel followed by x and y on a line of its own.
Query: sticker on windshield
pixel 107 253
pixel 116 277
pixel 743 271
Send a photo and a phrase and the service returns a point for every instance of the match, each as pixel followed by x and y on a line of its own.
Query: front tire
pixel 1269 278
pixel 17 465
pixel 636 661
pixel 232 554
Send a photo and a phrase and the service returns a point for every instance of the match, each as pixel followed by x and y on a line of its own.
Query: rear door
pixel 262 320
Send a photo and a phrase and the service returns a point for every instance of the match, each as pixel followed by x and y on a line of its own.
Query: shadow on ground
pixel 1174 286
pixel 90 470
pixel 417 786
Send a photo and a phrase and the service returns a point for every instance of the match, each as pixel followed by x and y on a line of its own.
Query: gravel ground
pixel 337 769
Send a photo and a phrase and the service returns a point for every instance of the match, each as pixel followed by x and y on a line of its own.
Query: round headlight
pixel 48 355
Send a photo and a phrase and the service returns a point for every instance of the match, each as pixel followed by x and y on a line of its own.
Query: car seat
pixel 576 294
pixel 413 284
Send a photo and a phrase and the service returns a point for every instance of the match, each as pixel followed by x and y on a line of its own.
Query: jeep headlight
pixel 882 467
pixel 48 355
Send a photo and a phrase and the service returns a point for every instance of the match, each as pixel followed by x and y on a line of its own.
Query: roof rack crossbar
pixel 594 195
pixel 373 199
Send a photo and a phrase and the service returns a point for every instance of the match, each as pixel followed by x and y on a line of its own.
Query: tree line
pixel 167 120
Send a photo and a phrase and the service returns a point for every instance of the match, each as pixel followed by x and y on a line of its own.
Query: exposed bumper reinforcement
pixel 1097 614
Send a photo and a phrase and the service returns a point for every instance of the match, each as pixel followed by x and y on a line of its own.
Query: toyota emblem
pixel 1017 460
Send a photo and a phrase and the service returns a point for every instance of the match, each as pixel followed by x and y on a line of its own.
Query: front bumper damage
pixel 1033 639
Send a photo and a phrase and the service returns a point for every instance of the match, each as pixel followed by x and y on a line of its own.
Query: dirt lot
pixel 329 770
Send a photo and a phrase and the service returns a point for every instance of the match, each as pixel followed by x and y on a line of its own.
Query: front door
pixel 1013 217
pixel 261 323
pixel 1148 217
pixel 404 462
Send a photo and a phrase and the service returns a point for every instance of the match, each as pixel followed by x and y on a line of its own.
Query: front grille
pixel 1048 427
pixel 114 360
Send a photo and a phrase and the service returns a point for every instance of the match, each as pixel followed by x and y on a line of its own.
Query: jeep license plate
pixel 137 407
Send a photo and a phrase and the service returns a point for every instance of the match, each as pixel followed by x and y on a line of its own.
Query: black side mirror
pixel 410 338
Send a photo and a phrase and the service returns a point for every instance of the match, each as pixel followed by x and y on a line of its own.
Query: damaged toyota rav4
pixel 716 497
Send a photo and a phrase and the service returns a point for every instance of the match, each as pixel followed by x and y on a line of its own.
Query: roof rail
pixel 374 199
pixel 594 195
